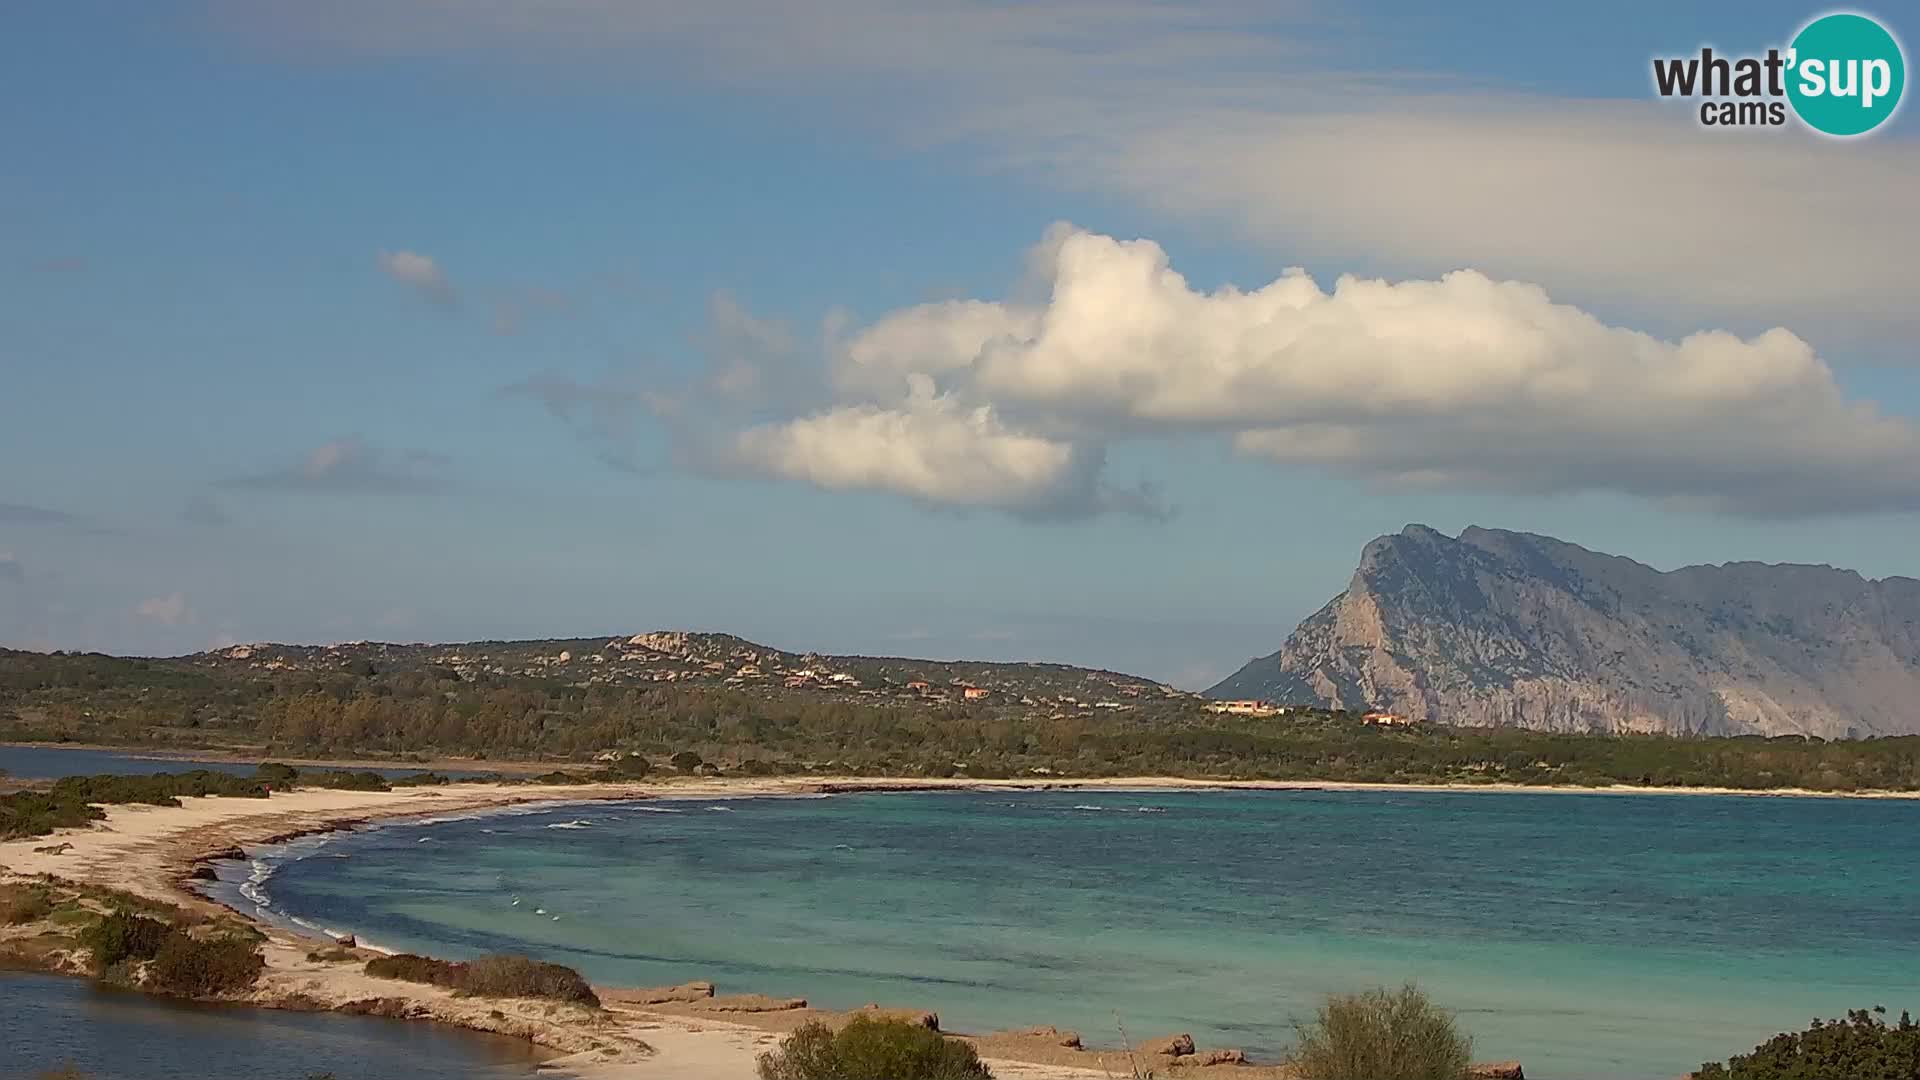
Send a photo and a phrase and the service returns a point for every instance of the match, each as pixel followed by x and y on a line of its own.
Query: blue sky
pixel 427 321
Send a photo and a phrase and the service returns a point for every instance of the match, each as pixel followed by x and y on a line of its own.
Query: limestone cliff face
pixel 1510 628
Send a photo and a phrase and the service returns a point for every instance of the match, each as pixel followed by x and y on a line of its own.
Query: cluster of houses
pixel 1247 707
pixel 1255 707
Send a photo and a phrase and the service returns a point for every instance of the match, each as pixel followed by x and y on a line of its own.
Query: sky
pixel 1105 333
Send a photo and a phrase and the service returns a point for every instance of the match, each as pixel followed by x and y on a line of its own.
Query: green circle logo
pixel 1845 74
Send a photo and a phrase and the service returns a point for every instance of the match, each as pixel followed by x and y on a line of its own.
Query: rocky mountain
pixel 1505 628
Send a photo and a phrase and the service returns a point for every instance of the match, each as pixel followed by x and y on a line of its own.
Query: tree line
pixel 427 711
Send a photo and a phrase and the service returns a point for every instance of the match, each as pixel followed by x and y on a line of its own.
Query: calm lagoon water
pixel 1593 937
pixel 112 1035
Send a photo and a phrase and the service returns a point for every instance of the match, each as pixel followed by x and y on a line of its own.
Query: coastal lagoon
pixel 1594 937
pixel 118 1035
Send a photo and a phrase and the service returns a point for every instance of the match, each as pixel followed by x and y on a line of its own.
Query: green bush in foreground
pixel 122 936
pixel 179 963
pixel 193 968
pixel 489 976
pixel 869 1049
pixel 1382 1035
pixel 1861 1047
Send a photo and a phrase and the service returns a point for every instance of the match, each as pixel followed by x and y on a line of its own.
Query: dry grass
pixel 1382 1035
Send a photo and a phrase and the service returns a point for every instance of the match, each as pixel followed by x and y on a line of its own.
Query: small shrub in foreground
pixel 193 968
pixel 869 1049
pixel 1861 1047
pixel 1382 1035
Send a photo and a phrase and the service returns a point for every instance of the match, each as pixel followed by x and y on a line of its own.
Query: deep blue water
pixel 113 1035
pixel 52 762
pixel 1595 937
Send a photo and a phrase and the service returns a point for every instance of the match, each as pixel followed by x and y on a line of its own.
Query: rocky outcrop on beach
pixel 660 995
pixel 1201 1059
pixel 1053 1035
pixel 1170 1046
pixel 1495 628
pixel 925 1018
pixel 750 1003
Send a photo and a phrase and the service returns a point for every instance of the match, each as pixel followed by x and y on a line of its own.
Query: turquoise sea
pixel 1594 937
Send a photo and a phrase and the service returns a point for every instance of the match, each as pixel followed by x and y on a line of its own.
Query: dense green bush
pixel 36 813
pixel 345 780
pixel 411 968
pixel 159 789
pixel 519 976
pixel 871 1049
pixel 190 967
pixel 1861 1047
pixel 489 976
pixel 277 774
pixel 687 761
pixel 122 935
pixel 421 779
pixel 1382 1035
pixel 73 801
pixel 630 767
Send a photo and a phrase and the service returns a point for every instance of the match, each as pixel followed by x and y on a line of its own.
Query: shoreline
pixel 856 784
pixel 153 852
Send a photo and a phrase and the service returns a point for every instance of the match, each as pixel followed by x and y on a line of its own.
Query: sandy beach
pixel 150 851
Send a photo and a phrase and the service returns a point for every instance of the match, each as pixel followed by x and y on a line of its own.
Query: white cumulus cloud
pixel 937 450
pixel 1460 381
pixel 420 273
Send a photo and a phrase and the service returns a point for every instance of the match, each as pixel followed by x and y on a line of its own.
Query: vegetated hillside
pixel 1505 628
pixel 707 660
pixel 537 698
pixel 524 701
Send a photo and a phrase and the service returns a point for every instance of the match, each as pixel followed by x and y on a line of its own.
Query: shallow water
pixel 115 1035
pixel 1594 937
